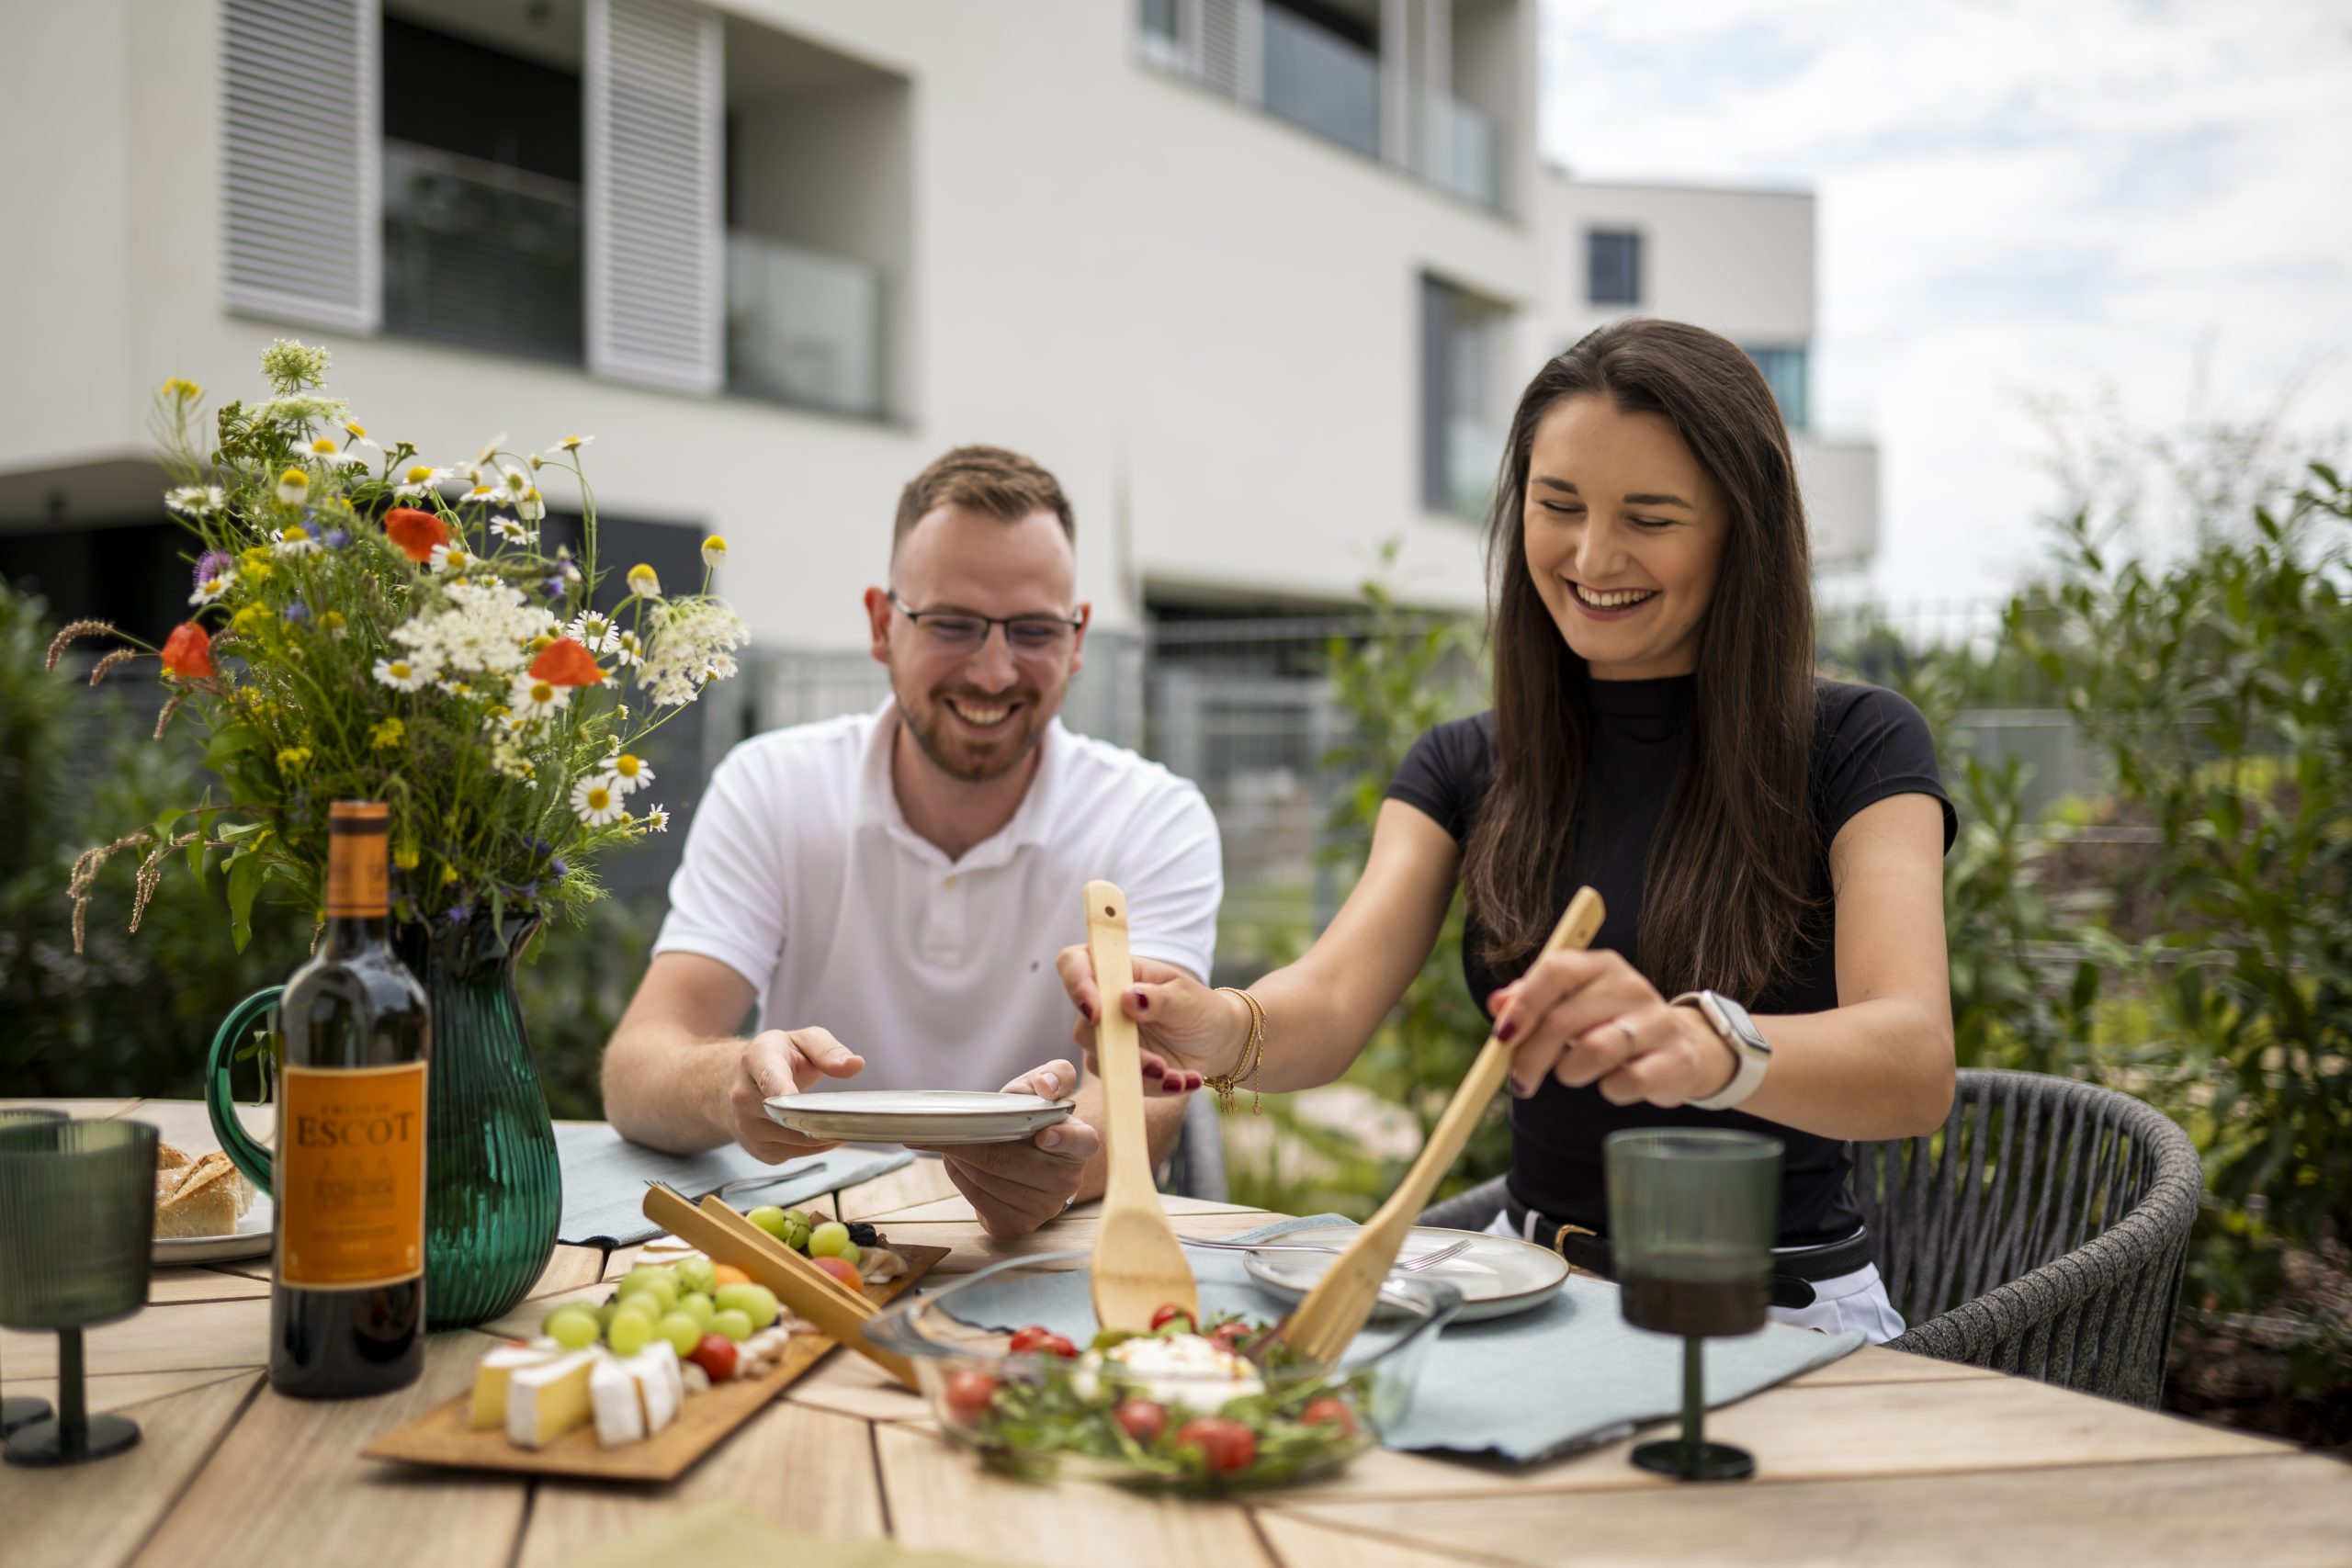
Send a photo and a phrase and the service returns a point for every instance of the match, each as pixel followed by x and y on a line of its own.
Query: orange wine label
pixel 359 864
pixel 350 1176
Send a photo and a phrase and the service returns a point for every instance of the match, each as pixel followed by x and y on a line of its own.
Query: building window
pixel 1613 267
pixel 1161 40
pixel 482 161
pixel 1784 371
pixel 1463 411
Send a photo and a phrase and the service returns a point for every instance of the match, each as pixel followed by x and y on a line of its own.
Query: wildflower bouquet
pixel 370 626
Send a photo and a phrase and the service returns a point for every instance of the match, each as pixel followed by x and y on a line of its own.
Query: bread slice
pixel 170 1158
pixel 205 1203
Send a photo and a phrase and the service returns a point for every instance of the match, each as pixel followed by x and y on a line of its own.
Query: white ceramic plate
pixel 1496 1275
pixel 251 1239
pixel 916 1116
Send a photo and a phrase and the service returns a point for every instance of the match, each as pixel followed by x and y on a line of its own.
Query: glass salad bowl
pixel 1188 1407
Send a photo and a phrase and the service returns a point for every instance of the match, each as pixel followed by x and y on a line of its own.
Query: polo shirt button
pixel 949 882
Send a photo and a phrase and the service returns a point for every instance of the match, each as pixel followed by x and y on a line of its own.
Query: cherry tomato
pixel 1228 1337
pixel 1226 1445
pixel 714 1354
pixel 1030 1338
pixel 1169 1314
pixel 1333 1411
pixel 1058 1344
pixel 1143 1419
pixel 969 1395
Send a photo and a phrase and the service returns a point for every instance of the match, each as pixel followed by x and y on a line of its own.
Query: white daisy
pixel 480 494
pixel 489 450
pixel 533 700
pixel 628 772
pixel 419 481
pixel 714 550
pixel 595 802
pixel 643 583
pixel 405 674
pixel 293 486
pixel 451 556
pixel 593 632
pixel 656 820
pixel 294 540
pixel 212 587
pixel 512 531
pixel 628 650
pixel 570 444
pixel 197 500
pixel 328 453
pixel 531 505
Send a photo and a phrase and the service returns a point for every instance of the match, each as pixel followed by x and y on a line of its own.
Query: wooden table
pixel 1881 1458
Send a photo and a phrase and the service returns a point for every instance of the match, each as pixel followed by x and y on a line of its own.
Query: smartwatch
pixel 1736 1029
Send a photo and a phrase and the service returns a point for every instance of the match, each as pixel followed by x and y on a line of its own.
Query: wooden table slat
pixel 99 1513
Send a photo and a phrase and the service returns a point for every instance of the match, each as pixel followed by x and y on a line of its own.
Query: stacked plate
pixel 931 1118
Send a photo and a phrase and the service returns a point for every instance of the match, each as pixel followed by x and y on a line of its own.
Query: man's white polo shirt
pixel 801 875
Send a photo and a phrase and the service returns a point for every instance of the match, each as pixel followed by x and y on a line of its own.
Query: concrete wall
pixel 1740 261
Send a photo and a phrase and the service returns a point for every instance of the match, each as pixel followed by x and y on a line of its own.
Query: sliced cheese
pixel 619 1413
pixel 498 1370
pixel 660 1388
pixel 545 1402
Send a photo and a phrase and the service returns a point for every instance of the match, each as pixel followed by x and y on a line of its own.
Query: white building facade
pixel 1259 280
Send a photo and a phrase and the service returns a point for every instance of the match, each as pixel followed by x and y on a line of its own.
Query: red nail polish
pixel 1142 1001
pixel 1152 1069
pixel 1087 1008
pixel 1192 1080
pixel 1503 1031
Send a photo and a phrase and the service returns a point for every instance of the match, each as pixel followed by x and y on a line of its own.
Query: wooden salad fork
pixel 1139 1265
pixel 1327 1322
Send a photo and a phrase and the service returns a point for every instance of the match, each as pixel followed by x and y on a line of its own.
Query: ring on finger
pixel 1625 1028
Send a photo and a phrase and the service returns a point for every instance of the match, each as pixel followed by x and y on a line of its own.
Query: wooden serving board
pixel 446 1436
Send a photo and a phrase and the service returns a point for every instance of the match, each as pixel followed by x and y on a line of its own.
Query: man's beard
pixel 957 752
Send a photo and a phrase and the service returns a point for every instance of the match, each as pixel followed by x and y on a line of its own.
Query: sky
pixel 2018 201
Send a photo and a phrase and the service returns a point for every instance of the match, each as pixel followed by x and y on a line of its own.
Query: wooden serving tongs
pixel 839 1313
pixel 1327 1322
pixel 1139 1265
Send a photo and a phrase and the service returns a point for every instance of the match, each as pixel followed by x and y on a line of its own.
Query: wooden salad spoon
pixel 1327 1322
pixel 1139 1265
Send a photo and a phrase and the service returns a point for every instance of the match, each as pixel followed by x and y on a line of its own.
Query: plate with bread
pixel 206 1211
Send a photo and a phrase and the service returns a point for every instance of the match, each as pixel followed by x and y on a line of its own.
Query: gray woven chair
pixel 2040 1231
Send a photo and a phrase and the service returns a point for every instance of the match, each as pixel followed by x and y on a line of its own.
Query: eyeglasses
pixel 961 631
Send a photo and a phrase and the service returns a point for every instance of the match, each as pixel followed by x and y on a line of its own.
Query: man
pixel 892 887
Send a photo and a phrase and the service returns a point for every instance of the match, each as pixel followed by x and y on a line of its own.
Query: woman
pixel 1760 836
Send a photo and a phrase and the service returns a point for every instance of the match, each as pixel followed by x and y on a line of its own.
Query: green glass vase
pixel 494 1192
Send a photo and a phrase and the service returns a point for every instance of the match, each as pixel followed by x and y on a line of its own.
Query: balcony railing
pixel 805 328
pixel 1472 167
pixel 1321 81
pixel 479 254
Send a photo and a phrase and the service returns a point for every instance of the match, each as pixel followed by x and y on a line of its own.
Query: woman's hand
pixel 1186 1029
pixel 1591 1018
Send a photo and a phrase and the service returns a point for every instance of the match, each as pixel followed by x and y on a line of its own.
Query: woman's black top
pixel 1867 744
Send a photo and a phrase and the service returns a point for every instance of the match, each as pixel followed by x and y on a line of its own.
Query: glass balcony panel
pixel 481 253
pixel 1474 454
pixel 1473 168
pixel 804 328
pixel 1319 80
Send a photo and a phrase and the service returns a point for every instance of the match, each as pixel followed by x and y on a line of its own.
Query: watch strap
pixel 1750 1054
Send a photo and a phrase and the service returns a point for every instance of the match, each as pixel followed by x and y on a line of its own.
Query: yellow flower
pixel 293 486
pixel 390 733
pixel 294 759
pixel 180 387
pixel 257 556
pixel 642 582
pixel 244 621
pixel 405 857
pixel 448 874
pixel 333 623
pixel 714 550
pixel 541 643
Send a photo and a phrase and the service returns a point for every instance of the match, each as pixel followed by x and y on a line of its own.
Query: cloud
pixel 2016 198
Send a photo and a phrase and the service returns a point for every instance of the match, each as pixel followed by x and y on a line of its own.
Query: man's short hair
pixel 986 478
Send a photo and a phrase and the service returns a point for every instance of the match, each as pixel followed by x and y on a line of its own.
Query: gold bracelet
pixel 1253 1056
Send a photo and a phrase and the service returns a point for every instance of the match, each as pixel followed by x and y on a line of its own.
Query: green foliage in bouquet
pixel 370 626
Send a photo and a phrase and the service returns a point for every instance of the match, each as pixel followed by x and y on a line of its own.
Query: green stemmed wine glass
pixel 24 1411
pixel 1692 1217
pixel 77 1227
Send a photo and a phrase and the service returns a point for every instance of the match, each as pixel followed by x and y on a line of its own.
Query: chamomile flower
pixel 294 540
pixel 656 820
pixel 628 647
pixel 643 583
pixel 406 674
pixel 489 449
pixel 569 445
pixel 595 632
pixel 197 500
pixel 534 701
pixel 328 453
pixel 421 480
pixel 628 772
pixel 451 556
pixel 512 531
pixel 209 589
pixel 531 505
pixel 293 486
pixel 714 550
pixel 595 802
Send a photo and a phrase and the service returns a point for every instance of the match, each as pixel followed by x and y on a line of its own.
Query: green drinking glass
pixel 22 1411
pixel 77 1230
pixel 1692 1214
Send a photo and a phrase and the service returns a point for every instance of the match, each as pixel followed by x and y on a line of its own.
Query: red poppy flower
pixel 415 532
pixel 188 653
pixel 564 662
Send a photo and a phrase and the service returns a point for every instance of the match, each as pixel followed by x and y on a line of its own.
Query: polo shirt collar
pixel 1032 822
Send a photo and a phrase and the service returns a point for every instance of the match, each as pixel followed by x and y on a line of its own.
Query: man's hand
pixel 783 1062
pixel 1014 1188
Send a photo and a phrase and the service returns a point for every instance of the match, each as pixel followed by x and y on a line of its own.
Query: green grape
pixel 754 1302
pixel 643 1304
pixel 696 1274
pixel 573 1328
pixel 605 1313
pixel 649 1282
pixel 829 1240
pixel 798 1217
pixel 682 1331
pixel 630 1333
pixel 769 1218
pixel 734 1325
pixel 697 1305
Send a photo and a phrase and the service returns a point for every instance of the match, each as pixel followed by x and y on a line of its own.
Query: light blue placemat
pixel 605 1176
pixel 1561 1376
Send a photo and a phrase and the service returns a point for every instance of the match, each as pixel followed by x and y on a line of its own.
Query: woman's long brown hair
pixel 1736 866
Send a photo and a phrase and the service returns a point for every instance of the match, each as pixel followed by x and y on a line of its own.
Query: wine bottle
pixel 346 1312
